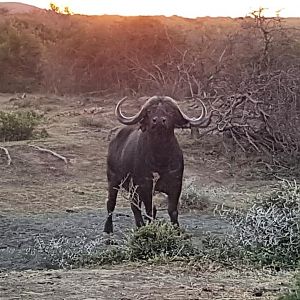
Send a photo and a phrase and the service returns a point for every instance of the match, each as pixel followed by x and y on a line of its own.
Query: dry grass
pixel 193 197
pixel 170 282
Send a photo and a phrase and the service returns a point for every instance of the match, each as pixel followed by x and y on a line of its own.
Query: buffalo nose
pixel 159 121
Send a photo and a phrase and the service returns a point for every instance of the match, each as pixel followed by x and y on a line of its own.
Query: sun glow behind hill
pixel 185 8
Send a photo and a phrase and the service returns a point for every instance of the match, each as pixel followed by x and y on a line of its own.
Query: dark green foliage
pixel 159 240
pixel 16 126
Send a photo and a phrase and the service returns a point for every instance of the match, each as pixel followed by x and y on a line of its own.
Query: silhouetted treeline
pixel 246 69
pixel 73 54
pixel 77 54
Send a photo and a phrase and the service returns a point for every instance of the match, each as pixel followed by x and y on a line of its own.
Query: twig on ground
pixel 50 152
pixel 7 155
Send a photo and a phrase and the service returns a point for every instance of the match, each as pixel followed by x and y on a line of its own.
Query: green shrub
pixel 156 241
pixel 15 126
pixel 159 240
pixel 267 234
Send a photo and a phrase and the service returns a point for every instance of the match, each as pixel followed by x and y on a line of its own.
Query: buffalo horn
pixel 137 117
pixel 127 120
pixel 202 121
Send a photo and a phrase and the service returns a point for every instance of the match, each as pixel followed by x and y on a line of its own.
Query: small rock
pixel 258 293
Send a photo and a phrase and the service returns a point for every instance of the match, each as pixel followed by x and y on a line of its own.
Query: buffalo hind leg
pixel 110 204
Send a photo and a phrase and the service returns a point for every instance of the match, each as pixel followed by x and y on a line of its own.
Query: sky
pixel 185 8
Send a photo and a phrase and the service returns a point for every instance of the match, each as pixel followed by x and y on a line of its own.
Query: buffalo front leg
pixel 173 200
pixel 143 195
pixel 150 208
pixel 110 204
pixel 136 207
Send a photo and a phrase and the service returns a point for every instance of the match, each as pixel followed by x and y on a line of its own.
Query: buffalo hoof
pixel 108 227
pixel 140 223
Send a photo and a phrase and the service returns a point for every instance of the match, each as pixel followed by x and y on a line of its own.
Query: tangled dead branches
pixel 265 118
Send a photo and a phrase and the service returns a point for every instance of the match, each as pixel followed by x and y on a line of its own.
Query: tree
pixel 67 11
pixel 54 8
pixel 19 58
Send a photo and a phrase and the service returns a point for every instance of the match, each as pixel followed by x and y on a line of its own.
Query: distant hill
pixel 17 8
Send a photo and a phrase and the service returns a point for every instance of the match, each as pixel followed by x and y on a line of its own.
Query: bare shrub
pixel 265 118
pixel 63 252
pixel 193 198
pixel 258 100
pixel 267 234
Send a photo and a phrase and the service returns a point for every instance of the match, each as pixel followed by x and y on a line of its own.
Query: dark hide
pixel 137 153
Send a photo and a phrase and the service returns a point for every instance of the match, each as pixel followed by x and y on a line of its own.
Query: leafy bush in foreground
pixel 152 242
pixel 159 240
pixel 267 234
pixel 16 126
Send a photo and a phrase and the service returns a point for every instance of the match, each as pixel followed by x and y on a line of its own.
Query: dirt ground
pixel 141 282
pixel 43 197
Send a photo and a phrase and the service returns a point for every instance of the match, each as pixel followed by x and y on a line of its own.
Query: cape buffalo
pixel 137 153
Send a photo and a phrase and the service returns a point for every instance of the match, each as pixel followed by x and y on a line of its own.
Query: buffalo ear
pixel 143 125
pixel 180 122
